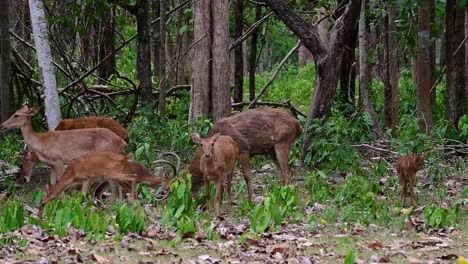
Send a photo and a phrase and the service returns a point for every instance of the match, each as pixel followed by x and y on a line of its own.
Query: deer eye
pixel 212 144
pixel 201 145
pixel 15 115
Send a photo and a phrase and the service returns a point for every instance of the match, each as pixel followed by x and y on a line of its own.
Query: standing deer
pixel 29 159
pixel 97 167
pixel 256 131
pixel 216 163
pixel 407 167
pixel 57 148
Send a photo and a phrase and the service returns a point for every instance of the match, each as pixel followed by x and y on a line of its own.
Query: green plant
pixel 439 217
pixel 130 218
pixel 318 187
pixel 350 258
pixel 12 217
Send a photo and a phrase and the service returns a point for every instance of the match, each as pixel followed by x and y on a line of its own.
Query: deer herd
pixel 92 148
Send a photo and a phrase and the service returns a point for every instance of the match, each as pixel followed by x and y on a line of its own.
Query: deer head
pixel 20 117
pixel 206 143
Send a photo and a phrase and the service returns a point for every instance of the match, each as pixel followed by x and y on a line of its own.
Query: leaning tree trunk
pixel 221 100
pixel 201 77
pixel 365 70
pixel 5 95
pixel 144 51
pixel 46 68
pixel 238 54
pixel 391 70
pixel 423 97
pixel 327 61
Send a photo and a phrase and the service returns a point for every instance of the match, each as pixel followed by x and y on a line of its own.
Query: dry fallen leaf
pixel 99 259
pixel 375 245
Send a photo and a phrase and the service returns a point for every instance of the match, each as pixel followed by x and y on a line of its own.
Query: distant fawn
pixel 407 167
pixel 218 160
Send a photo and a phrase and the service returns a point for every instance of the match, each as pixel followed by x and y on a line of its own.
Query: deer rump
pixel 257 132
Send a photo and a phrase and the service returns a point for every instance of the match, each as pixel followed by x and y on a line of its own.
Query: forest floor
pixel 406 240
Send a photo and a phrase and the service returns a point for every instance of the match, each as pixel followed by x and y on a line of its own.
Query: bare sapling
pixel 57 148
pixel 407 167
pixel 216 163
pixel 256 131
pixel 29 159
pixel 97 167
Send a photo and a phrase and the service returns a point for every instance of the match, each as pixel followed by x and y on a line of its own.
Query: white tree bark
pixel 46 68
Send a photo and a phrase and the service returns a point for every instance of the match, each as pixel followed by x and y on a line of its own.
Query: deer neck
pixel 28 134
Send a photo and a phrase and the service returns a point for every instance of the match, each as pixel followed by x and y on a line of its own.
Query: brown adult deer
pixel 96 167
pixel 256 131
pixel 407 167
pixel 216 163
pixel 29 159
pixel 56 148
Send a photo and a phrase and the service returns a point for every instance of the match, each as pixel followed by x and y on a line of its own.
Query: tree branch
pixel 130 8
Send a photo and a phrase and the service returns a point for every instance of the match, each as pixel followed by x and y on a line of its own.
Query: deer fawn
pixel 407 167
pixel 256 131
pixel 97 167
pixel 57 148
pixel 218 160
pixel 29 159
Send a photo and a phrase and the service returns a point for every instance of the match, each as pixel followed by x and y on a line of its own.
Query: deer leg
pixel 57 171
pixel 219 194
pixel 244 161
pixel 411 186
pixel 403 191
pixel 282 154
pixel 84 188
pixel 228 187
pixel 206 182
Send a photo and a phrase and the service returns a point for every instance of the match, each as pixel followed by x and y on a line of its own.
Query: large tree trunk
pixel 423 101
pixel 46 68
pixel 391 70
pixel 105 38
pixel 365 69
pixel 253 54
pixel 201 66
pixel 221 101
pixel 238 54
pixel 5 95
pixel 455 95
pixel 326 61
pixel 162 59
pixel 144 51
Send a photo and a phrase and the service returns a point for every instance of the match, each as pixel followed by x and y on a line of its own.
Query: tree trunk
pixel 144 51
pixel 365 69
pixel 46 68
pixel 201 67
pixel 253 54
pixel 162 59
pixel 5 95
pixel 423 100
pixel 238 54
pixel 105 39
pixel 155 38
pixel 326 61
pixel 391 70
pixel 348 70
pixel 465 103
pixel 432 54
pixel 221 100
pixel 460 83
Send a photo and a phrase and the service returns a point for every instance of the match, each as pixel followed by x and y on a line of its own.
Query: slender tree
pixel 162 59
pixel 5 95
pixel 238 54
pixel 253 54
pixel 46 68
pixel 423 101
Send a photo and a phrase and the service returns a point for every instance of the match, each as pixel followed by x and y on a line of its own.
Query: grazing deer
pixel 57 148
pixel 218 160
pixel 407 167
pixel 97 167
pixel 29 159
pixel 256 131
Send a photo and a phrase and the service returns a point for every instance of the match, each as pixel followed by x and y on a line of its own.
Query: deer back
pixel 94 122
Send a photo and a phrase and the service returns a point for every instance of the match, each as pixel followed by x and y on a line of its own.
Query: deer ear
pixel 196 137
pixel 216 136
pixel 34 110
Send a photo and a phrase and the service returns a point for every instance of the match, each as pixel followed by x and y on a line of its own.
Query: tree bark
pixel 459 60
pixel 391 70
pixel 221 100
pixel 155 37
pixel 326 61
pixel 238 54
pixel 201 66
pixel 348 70
pixel 253 54
pixel 105 39
pixel 432 54
pixel 5 95
pixel 46 68
pixel 465 103
pixel 162 59
pixel 144 51
pixel 365 70
pixel 423 100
